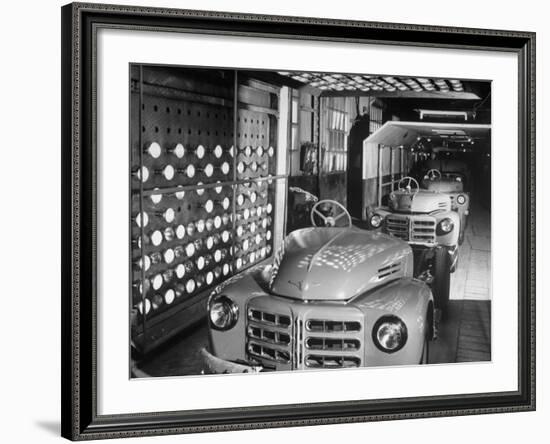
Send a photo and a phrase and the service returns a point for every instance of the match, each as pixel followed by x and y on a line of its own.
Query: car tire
pixel 461 237
pixel 425 357
pixel 442 280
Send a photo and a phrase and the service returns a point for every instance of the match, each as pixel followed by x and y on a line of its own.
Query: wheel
pixel 425 358
pixel 442 280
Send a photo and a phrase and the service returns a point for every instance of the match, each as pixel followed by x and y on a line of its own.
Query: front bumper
pixel 214 365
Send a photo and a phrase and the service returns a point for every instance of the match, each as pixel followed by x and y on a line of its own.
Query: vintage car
pixel 426 221
pixel 336 296
pixel 453 185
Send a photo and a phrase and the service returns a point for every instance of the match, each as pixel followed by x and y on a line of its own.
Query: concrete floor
pixel 465 336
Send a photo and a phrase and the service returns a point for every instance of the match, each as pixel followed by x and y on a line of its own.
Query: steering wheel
pixel 409 181
pixel 329 220
pixel 433 174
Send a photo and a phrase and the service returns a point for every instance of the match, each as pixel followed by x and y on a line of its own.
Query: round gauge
pixel 180 271
pixel 231 151
pixel 253 227
pixel 179 251
pixel 225 203
pixel 269 208
pixel 156 198
pixel 245 245
pixel 190 286
pixel 209 170
pixel 209 242
pixel 157 301
pixel 225 168
pixel 264 223
pixel 190 228
pixel 248 151
pixel 189 266
pixel 180 290
pixel 169 256
pixel 143 174
pixel 200 263
pixel 154 150
pixel 200 151
pixel 258 239
pixel 180 232
pixel 268 249
pixel 270 151
pixel 169 215
pixel 254 166
pixel 240 199
pixel 200 226
pixel 246 213
pixel 252 257
pixel 240 230
pixel 169 296
pixel 218 189
pixel 262 251
pixel 259 211
pixel 225 218
pixel 168 172
pixel 179 151
pixel 180 194
pixel 218 151
pixel 190 249
pixel 147 306
pixel 147 261
pixel 225 236
pixel 240 167
pixel 169 234
pixel 217 222
pixel 200 191
pixel 190 171
pixel 209 278
pixel 156 238
pixel 209 224
pixel 145 219
pixel 239 263
pixel 268 235
pixel 156 258
pixel 217 255
pixel 225 269
pixel 260 151
pixel 168 275
pixel 253 197
pixel 209 206
pixel 157 282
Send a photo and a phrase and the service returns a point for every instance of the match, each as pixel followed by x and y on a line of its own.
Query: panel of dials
pixel 202 209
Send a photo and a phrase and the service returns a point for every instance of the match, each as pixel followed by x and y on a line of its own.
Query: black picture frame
pixel 79 390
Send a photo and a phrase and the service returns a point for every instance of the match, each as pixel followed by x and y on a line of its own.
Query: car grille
pixel 269 336
pixel 301 339
pixel 414 229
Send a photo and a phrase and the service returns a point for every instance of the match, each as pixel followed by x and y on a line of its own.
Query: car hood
pixel 337 263
pixel 443 185
pixel 422 201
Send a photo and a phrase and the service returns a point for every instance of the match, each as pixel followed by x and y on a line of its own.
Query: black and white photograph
pixel 298 221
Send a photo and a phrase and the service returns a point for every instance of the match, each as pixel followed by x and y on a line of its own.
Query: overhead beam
pixel 404 94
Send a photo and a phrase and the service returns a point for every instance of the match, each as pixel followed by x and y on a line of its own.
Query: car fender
pixel 449 239
pixel 411 301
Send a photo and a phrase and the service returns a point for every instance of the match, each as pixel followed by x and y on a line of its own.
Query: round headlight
pixel 223 312
pixel 445 226
pixel 389 334
pixel 376 220
pixel 461 199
